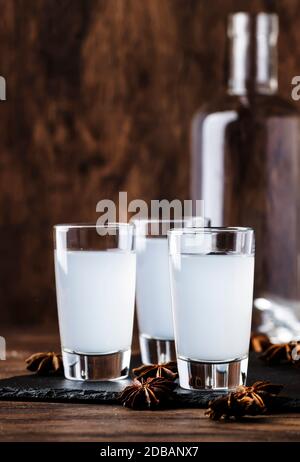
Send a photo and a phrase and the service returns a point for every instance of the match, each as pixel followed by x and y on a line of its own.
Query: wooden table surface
pixel 34 421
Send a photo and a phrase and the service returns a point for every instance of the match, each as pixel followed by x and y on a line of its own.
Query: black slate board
pixel 56 389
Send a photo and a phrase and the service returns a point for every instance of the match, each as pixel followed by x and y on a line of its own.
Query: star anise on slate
pixel 279 352
pixel 253 400
pixel 165 370
pixel 147 394
pixel 45 363
pixel 259 342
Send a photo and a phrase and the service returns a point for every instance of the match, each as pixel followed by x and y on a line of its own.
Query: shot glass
pixel 95 270
pixel 212 271
pixel 153 292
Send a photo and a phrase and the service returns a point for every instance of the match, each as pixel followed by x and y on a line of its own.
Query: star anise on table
pixel 148 394
pixel 281 352
pixel 45 363
pixel 165 370
pixel 259 342
pixel 254 400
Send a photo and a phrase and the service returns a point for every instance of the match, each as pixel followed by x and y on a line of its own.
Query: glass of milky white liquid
pixel 212 272
pixel 95 270
pixel 153 292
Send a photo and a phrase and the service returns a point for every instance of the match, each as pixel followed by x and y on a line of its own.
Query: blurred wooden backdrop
pixel 100 94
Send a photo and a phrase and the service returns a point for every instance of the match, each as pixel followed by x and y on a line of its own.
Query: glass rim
pixel 92 225
pixel 210 230
pixel 171 220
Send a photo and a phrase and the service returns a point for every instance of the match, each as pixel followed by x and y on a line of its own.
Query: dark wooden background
pixel 100 94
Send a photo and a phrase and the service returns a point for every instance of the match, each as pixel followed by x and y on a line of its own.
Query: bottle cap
pixel 238 24
pixel 267 25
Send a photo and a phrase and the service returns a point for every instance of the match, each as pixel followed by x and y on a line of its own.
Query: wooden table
pixel 34 421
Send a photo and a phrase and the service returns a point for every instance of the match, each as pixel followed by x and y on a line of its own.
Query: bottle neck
pixel 253 54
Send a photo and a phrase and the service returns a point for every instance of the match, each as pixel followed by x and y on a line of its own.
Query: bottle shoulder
pixel 257 106
pixel 274 106
pixel 219 104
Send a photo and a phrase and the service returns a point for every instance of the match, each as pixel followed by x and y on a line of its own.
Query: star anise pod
pixel 165 370
pixel 279 352
pixel 259 342
pixel 147 394
pixel 254 400
pixel 45 363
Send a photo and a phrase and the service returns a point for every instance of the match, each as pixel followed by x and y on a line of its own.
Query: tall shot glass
pixel 212 271
pixel 153 292
pixel 95 268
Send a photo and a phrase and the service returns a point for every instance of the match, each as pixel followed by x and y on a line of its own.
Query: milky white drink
pixel 153 289
pixel 95 295
pixel 212 296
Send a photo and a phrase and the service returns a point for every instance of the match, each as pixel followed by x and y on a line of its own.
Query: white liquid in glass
pixel 95 296
pixel 212 296
pixel 153 293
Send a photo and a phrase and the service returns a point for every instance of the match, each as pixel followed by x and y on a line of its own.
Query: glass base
pixel 194 375
pixel 85 367
pixel 156 351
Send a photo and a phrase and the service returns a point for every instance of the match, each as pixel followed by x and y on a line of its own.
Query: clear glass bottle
pixel 245 166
